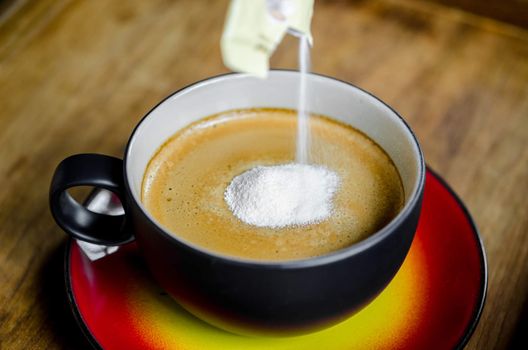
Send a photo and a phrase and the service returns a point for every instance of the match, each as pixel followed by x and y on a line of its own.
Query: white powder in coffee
pixel 284 195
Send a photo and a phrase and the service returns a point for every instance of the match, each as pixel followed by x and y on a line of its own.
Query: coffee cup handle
pixel 96 170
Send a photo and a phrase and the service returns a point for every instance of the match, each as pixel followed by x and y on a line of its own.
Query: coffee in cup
pixel 184 184
pixel 276 295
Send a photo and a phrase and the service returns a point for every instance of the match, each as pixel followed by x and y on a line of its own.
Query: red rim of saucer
pixel 466 335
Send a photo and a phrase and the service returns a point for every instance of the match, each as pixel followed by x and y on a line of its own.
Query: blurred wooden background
pixel 509 11
pixel 76 76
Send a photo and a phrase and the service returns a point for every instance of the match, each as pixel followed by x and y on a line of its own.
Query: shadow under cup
pixel 265 298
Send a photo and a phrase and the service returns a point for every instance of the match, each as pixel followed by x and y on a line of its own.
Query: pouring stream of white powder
pixel 303 130
pixel 283 195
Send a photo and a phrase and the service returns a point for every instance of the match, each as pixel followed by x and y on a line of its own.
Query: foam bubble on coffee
pixel 282 195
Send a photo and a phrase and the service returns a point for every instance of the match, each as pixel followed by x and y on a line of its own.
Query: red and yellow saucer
pixel 434 302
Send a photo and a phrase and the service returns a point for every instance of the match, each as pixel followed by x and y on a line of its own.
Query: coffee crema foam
pixel 184 184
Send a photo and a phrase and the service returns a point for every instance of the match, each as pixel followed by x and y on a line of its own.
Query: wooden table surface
pixel 76 76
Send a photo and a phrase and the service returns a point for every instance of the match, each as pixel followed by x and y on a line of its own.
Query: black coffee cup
pixel 238 295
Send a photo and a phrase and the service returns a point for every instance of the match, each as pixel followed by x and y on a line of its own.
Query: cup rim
pixel 328 258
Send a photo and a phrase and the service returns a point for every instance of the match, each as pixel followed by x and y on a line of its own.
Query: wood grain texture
pixel 76 76
pixel 509 11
